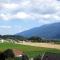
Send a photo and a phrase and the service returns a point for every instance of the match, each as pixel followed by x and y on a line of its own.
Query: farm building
pixel 13 54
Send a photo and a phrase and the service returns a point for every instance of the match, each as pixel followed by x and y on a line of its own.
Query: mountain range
pixel 48 31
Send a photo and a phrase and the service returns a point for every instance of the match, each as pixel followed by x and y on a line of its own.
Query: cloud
pixel 5 16
pixel 45 17
pixel 19 15
pixel 12 6
pixel 5 27
pixel 45 6
pixel 58 0
pixel 32 13
pixel 8 6
pixel 30 16
pixel 22 15
pixel 31 9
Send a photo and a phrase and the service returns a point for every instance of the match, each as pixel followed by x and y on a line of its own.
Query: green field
pixel 29 50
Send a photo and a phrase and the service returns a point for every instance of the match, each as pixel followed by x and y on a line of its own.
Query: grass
pixel 29 50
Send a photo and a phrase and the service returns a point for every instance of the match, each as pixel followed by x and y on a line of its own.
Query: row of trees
pixel 13 37
pixel 39 39
pixel 32 39
pixel 35 39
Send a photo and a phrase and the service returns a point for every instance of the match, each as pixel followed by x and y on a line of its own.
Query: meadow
pixel 31 51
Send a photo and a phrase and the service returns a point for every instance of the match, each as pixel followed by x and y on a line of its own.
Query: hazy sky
pixel 20 15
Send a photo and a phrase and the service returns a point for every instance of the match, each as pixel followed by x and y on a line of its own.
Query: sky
pixel 20 15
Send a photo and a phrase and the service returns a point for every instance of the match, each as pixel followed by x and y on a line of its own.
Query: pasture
pixel 31 51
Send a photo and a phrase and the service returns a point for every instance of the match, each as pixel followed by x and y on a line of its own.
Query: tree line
pixel 32 38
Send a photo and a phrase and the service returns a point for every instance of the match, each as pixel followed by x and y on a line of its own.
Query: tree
pixel 8 54
pixel 35 39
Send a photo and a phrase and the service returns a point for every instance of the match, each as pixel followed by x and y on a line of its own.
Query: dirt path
pixel 46 45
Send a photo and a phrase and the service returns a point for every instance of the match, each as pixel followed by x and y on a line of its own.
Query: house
pixel 12 54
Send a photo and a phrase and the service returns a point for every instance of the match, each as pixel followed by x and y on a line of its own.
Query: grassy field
pixel 29 50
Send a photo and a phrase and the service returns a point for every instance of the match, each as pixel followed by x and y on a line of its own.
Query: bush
pixel 25 57
pixel 8 54
pixel 37 57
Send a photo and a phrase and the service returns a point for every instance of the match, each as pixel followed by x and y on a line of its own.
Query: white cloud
pixel 19 15
pixel 25 4
pixel 14 6
pixel 5 27
pixel 22 15
pixel 5 16
pixel 9 5
pixel 32 16
pixel 38 10
pixel 45 17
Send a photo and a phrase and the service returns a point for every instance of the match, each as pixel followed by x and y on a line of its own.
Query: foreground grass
pixel 29 50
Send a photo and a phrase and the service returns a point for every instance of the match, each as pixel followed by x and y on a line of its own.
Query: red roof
pixel 17 52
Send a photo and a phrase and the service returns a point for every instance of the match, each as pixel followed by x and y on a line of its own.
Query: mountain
pixel 49 31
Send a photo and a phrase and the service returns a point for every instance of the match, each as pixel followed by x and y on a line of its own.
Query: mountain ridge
pixel 49 31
